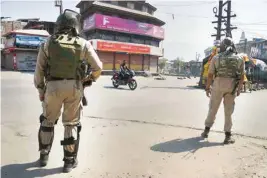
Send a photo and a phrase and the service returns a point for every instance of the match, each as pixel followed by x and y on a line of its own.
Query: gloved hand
pixel 87 83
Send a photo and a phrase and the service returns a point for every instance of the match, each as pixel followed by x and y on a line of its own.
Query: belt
pixel 57 78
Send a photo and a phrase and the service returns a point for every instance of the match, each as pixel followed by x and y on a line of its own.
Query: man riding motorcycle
pixel 123 70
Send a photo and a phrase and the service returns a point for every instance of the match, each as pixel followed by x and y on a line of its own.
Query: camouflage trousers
pixel 66 95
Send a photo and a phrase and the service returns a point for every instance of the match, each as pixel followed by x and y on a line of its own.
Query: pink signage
pixel 105 22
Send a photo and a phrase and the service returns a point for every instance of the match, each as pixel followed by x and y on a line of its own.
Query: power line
pixel 184 5
pixel 250 24
pixel 255 29
pixel 252 32
pixel 183 15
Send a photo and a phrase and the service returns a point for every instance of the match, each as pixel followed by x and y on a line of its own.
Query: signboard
pixel 89 23
pixel 27 60
pixel 105 22
pixel 29 41
pixel 121 47
pixel 259 51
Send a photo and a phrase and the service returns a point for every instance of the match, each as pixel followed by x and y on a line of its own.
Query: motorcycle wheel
pixel 132 85
pixel 115 84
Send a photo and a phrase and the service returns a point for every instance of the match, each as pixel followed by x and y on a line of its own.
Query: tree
pixel 178 63
pixel 162 63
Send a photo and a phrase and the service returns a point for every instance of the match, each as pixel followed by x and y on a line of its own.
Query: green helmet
pixel 227 44
pixel 69 20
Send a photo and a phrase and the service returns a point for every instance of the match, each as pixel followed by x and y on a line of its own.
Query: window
pixel 130 5
pixel 144 8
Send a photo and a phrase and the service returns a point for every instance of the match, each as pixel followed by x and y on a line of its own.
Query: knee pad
pixel 45 136
pixel 71 141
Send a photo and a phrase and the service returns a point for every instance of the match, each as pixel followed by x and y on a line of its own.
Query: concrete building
pixel 21 49
pixel 8 26
pixel 259 50
pixel 41 25
pixel 256 48
pixel 123 30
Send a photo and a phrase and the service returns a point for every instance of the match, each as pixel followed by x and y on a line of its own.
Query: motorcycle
pixel 117 80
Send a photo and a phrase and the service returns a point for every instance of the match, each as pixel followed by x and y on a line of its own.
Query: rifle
pixel 236 85
pixel 87 81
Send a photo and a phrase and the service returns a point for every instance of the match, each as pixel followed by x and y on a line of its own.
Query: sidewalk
pixel 130 149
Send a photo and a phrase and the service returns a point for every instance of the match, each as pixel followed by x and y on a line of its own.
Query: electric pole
pixel 226 19
pixel 58 3
pixel 219 21
pixel 228 23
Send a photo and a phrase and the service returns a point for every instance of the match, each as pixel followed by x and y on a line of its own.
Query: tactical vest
pixel 228 66
pixel 64 57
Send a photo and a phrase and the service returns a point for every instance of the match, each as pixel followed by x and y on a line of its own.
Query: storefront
pixel 21 49
pixel 137 57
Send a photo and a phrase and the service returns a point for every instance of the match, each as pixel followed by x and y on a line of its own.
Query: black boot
pixel 69 164
pixel 43 159
pixel 228 138
pixel 205 134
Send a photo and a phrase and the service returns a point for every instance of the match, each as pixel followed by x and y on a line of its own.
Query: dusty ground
pixel 123 139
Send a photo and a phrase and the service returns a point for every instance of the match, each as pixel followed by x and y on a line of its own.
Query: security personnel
pixel 58 78
pixel 228 68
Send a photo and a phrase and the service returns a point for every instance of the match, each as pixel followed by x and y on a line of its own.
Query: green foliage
pixel 162 63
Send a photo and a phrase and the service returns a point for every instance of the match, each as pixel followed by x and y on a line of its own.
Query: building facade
pixel 256 48
pixel 8 26
pixel 40 25
pixel 123 30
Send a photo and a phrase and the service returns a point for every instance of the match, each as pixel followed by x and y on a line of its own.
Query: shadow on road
pixel 111 87
pixel 27 170
pixel 179 146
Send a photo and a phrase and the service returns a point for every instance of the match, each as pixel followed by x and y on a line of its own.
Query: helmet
pixel 69 20
pixel 227 44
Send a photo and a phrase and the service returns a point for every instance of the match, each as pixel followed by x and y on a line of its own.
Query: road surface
pixel 130 133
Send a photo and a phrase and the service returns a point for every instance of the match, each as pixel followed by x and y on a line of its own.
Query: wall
pixel 8 61
pixel 7 26
pixel 153 64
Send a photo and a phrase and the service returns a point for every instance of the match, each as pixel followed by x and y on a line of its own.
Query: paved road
pixel 122 128
pixel 166 102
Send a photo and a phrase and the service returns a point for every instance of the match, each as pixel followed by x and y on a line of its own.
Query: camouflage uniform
pixel 58 78
pixel 227 68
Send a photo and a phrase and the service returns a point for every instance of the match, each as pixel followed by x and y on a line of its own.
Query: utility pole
pixel 58 3
pixel 221 18
pixel 219 21
pixel 228 23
